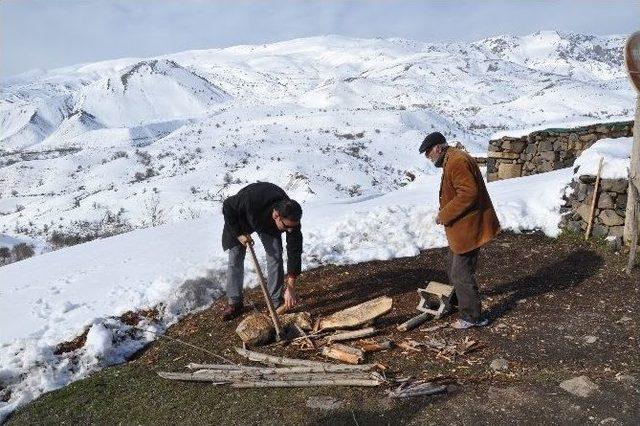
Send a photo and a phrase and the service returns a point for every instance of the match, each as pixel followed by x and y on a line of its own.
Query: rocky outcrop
pixel 546 150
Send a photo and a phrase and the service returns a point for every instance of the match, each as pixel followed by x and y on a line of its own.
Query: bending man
pixel 469 221
pixel 266 209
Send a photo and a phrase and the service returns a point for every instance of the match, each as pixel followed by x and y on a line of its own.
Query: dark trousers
pixel 275 269
pixel 462 277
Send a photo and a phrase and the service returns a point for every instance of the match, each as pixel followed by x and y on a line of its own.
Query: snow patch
pixel 616 155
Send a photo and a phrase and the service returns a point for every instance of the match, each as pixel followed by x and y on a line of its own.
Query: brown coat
pixel 465 207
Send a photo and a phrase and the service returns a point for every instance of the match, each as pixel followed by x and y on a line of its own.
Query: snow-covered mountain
pixel 325 117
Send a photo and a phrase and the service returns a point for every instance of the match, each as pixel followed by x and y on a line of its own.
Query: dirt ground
pixel 559 308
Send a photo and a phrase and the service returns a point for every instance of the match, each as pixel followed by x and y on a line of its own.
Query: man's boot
pixel 233 310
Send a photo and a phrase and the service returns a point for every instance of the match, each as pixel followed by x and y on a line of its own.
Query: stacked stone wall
pixel 609 215
pixel 546 150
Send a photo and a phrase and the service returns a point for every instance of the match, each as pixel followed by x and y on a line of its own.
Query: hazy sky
pixel 52 33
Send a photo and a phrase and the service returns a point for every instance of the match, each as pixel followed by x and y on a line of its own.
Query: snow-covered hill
pixel 325 117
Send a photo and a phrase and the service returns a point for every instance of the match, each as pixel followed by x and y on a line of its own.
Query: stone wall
pixel 610 208
pixel 546 150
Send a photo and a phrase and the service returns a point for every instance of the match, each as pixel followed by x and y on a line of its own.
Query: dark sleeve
pixel 294 252
pixel 232 211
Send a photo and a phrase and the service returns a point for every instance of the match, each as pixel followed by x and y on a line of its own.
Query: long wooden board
pixel 357 315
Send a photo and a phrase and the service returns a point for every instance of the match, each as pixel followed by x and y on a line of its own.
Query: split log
pixel 344 353
pixel 189 377
pixel 233 376
pixel 325 368
pixel 278 360
pixel 196 366
pixel 349 335
pixel 256 329
pixel 305 383
pixel 414 322
pixel 372 346
pixel 357 315
pixel 269 359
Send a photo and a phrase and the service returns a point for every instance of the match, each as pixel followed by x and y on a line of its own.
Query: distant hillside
pixel 325 117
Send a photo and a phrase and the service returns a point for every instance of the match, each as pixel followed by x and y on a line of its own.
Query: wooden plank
pixel 439 288
pixel 196 366
pixel 269 359
pixel 189 377
pixel 231 376
pixel 326 368
pixel 306 383
pixel 357 315
pixel 350 335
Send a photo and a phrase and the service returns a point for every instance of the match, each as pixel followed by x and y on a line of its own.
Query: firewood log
pixel 343 353
pixel 349 335
pixel 357 315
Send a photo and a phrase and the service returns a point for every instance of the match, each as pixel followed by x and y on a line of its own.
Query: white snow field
pixel 157 143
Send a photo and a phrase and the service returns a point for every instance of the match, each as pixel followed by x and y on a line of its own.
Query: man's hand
pixel 245 240
pixel 290 298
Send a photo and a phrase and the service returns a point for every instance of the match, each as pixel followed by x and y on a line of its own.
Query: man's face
pixel 284 225
pixel 433 153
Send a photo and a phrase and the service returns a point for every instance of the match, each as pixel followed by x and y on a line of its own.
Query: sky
pixel 45 34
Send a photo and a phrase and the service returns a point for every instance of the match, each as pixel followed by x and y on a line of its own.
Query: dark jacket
pixel 466 210
pixel 250 211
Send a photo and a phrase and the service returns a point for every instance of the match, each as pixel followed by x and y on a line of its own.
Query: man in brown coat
pixel 469 221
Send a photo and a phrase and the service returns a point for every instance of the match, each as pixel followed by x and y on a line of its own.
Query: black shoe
pixel 233 310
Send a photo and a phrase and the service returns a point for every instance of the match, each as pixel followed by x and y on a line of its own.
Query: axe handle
pixel 267 298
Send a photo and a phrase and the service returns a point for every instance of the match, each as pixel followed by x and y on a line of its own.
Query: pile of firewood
pixel 293 373
pixel 329 337
pixel 257 329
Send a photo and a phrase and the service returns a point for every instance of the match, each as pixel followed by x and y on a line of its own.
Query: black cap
pixel 430 141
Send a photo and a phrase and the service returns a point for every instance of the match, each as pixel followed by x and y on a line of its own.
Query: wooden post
pixel 594 201
pixel 632 215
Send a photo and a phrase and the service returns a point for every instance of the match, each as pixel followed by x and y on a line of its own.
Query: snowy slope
pixel 325 117
pixel 181 267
